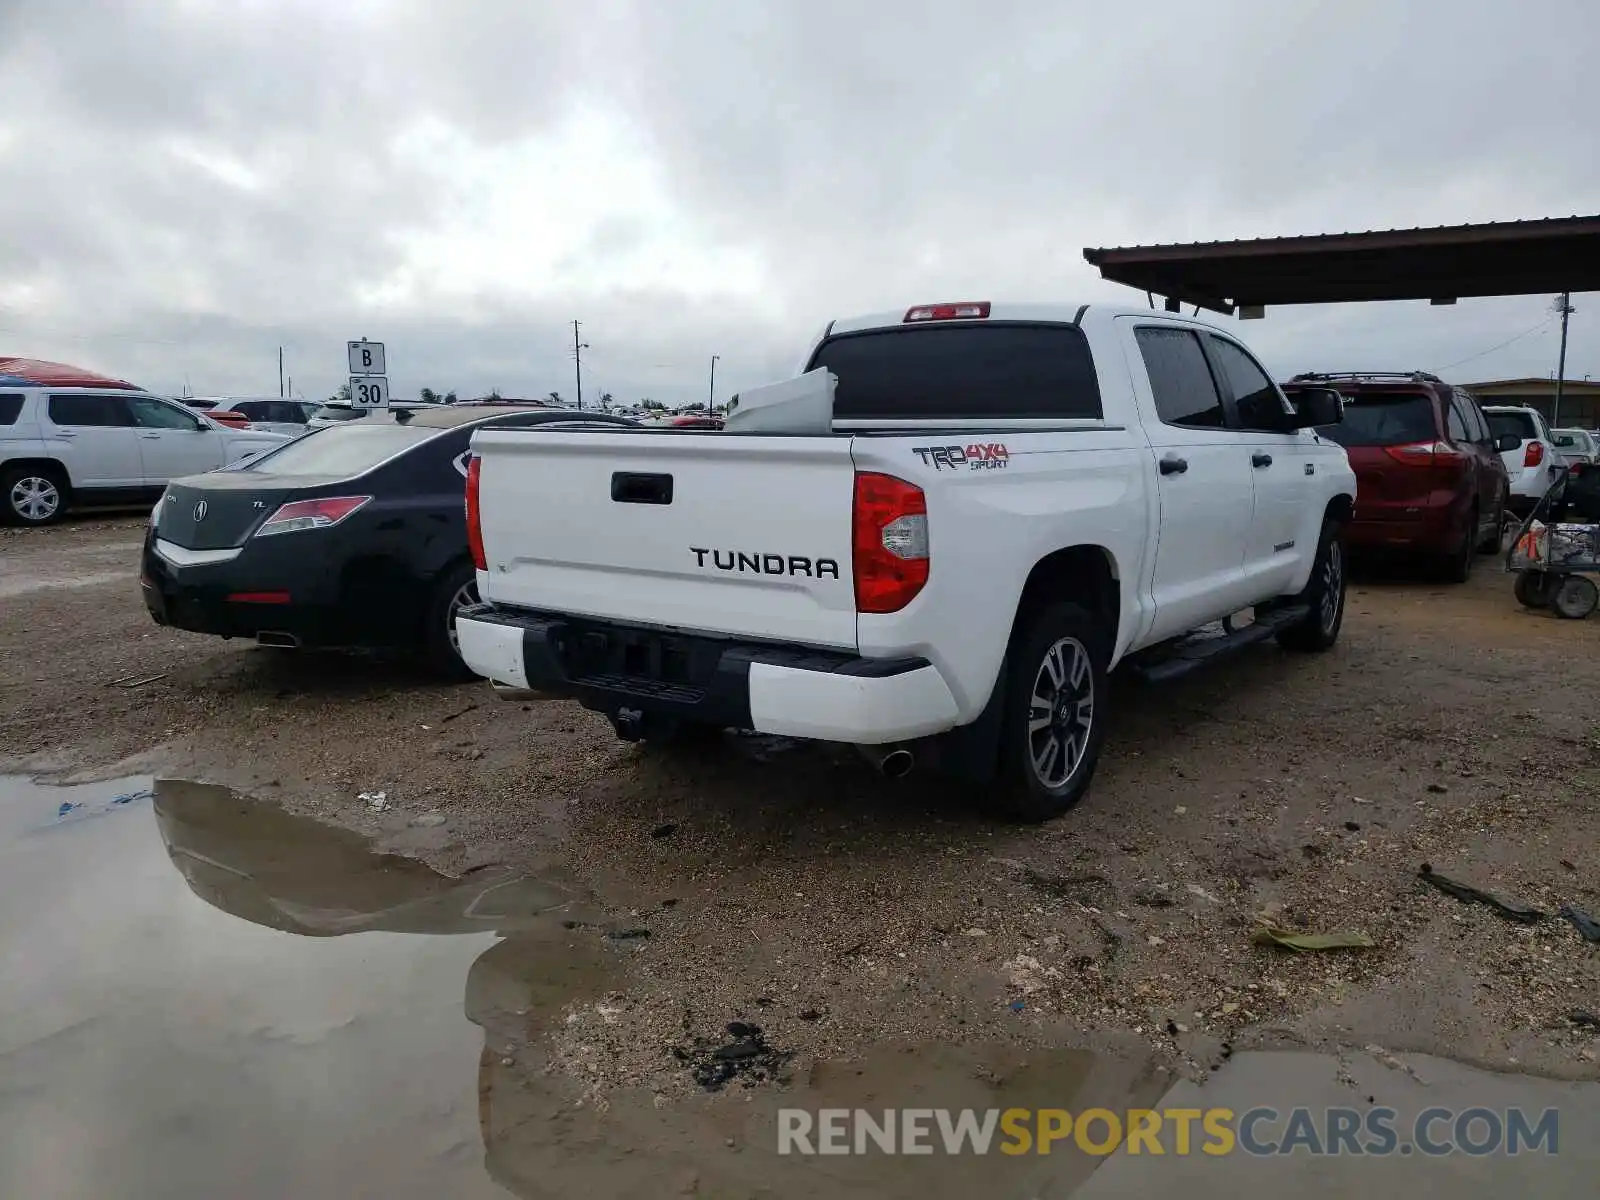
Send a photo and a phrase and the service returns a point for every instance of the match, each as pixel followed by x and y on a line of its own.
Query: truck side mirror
pixel 1317 406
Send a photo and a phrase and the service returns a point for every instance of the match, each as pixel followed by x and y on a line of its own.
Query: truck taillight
pixel 889 542
pixel 474 522
pixel 1533 455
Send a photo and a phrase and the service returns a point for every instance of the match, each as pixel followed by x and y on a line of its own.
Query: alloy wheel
pixel 35 498
pixel 1060 713
pixel 466 595
pixel 1332 586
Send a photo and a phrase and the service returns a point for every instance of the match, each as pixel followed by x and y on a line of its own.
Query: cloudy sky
pixel 188 184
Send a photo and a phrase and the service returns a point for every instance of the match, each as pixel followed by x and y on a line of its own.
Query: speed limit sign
pixel 369 391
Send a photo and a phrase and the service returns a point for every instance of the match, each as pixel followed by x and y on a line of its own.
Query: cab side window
pixel 1455 422
pixel 1180 378
pixel 1256 398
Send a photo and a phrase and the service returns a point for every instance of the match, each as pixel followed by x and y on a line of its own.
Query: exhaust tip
pixel 897 764
pixel 277 639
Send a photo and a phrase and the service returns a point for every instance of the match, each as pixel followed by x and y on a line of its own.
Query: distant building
pixel 1580 398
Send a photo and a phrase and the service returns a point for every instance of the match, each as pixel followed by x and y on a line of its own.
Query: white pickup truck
pixel 1010 501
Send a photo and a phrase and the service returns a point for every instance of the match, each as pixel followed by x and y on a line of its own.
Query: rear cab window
pixel 10 408
pixel 341 451
pixel 990 369
pixel 1386 417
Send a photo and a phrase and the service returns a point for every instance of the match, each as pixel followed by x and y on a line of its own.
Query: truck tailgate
pixel 745 535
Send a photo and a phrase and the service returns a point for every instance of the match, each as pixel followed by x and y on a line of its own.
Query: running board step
pixel 1190 655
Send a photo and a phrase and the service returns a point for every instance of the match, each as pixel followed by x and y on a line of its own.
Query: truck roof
pixel 1006 310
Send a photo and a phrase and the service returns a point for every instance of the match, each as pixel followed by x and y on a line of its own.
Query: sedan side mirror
pixel 1507 441
pixel 1317 406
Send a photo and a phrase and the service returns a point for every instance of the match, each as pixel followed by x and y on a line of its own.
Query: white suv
pixel 63 446
pixel 1533 465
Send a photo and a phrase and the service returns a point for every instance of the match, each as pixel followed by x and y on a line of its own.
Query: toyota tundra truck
pixel 1003 504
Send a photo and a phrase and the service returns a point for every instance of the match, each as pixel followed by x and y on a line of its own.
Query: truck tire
pixel 32 495
pixel 1325 593
pixel 1055 712
pixel 453 589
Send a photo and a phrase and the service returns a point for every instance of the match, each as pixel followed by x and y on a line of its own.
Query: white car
pixel 268 414
pixel 69 446
pixel 337 412
pixel 1577 445
pixel 1533 465
pixel 934 543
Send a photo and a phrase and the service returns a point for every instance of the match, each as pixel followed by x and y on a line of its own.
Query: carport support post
pixel 1561 360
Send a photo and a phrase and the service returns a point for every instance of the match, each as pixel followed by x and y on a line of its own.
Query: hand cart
pixel 1556 550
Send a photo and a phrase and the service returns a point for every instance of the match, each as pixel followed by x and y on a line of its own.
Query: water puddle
pixel 202 995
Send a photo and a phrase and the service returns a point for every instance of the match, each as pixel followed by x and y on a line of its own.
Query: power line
pixel 1544 324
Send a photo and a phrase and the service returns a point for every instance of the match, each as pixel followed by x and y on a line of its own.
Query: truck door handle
pixel 1261 460
pixel 150 436
pixel 634 487
pixel 1173 465
pixel 66 433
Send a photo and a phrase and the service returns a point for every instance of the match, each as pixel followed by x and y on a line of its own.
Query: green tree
pixel 652 405
pixel 450 398
pixel 429 396
pixel 555 398
pixel 605 401
pixel 342 396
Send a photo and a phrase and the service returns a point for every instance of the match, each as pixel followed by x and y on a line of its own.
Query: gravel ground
pixel 786 886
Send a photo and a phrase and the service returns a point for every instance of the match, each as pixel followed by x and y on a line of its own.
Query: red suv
pixel 1429 477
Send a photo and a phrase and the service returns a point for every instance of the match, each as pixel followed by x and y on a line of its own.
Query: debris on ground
pixel 1584 1018
pixel 662 831
pixel 746 1058
pixel 628 935
pixel 428 820
pixel 136 681
pixel 376 801
pixel 1277 935
pixel 1028 975
pixel 1511 910
pixel 1581 921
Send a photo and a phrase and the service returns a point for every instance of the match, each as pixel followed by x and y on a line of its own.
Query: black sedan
pixel 352 536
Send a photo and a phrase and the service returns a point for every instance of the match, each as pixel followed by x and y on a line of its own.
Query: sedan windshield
pixel 342 450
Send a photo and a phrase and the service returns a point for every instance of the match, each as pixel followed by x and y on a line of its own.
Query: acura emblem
pixel 200 511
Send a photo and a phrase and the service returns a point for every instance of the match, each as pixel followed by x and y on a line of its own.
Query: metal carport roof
pixel 1560 254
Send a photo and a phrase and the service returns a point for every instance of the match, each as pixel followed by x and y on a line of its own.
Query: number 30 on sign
pixel 369 391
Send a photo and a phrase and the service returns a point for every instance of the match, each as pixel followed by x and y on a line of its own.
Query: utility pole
pixel 280 372
pixel 1564 307
pixel 711 397
pixel 577 360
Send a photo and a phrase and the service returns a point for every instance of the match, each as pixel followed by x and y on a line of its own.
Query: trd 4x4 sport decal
pixel 980 456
